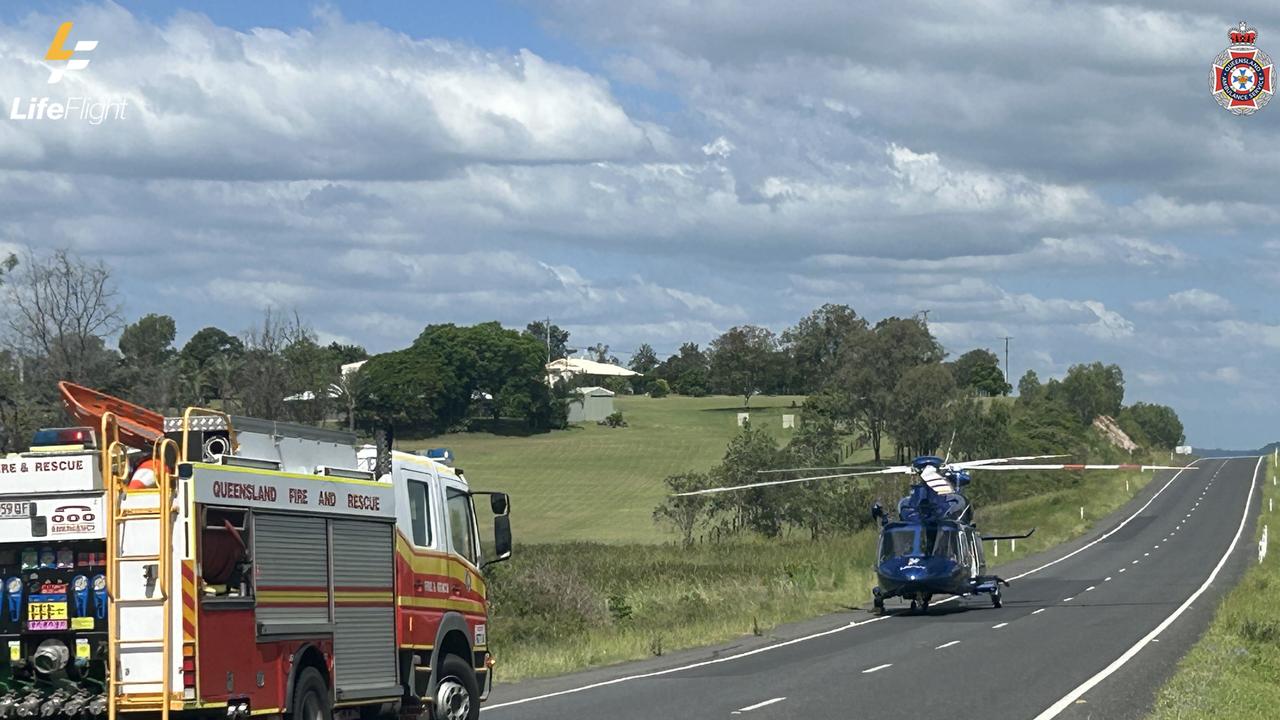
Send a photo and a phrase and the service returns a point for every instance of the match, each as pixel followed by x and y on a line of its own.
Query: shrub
pixel 659 389
pixel 614 420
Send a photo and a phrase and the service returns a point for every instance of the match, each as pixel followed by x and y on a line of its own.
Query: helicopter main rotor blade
pixel 833 467
pixel 997 461
pixel 899 470
pixel 1087 467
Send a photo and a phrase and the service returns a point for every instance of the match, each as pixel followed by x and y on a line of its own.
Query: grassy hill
pixel 592 483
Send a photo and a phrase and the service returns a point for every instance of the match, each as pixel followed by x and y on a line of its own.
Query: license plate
pixel 14 510
pixel 38 611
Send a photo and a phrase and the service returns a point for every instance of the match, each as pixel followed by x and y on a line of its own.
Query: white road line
pixel 1110 532
pixel 1107 579
pixel 1146 554
pixel 1123 569
pixel 1090 588
pixel 997 627
pixel 1135 562
pixel 877 668
pixel 1073 597
pixel 758 705
pixel 1070 698
pixel 947 645
pixel 1037 612
pixel 704 663
pixel 823 633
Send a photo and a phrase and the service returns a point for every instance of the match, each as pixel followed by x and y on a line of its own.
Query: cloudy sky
pixel 661 171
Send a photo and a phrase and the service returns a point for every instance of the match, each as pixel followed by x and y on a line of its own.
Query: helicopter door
pixel 971 551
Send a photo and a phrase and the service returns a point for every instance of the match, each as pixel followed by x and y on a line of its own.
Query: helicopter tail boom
pixel 1027 534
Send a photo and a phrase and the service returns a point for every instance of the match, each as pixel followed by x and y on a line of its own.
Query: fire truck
pixel 266 569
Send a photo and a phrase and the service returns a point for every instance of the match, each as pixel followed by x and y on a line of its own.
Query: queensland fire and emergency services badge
pixel 1241 78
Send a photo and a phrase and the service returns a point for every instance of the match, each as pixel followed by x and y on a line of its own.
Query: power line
pixel 1006 358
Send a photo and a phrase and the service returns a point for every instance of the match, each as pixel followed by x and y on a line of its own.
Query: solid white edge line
pixel 824 633
pixel 1067 700
pixel 704 663
pixel 759 705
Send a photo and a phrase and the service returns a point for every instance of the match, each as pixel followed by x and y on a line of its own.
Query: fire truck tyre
pixel 311 697
pixel 457 693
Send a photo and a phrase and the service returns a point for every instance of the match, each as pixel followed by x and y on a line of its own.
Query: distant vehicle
pixel 934 546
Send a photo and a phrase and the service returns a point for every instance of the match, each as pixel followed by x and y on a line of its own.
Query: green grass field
pixel 599 484
pixel 1231 672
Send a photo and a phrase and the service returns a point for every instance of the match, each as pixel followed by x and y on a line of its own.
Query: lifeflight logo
pixel 88 109
pixel 59 53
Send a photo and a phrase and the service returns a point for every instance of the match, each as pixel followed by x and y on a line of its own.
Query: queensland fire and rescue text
pixel 223 490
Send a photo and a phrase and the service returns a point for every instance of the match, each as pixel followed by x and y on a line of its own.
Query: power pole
pixel 925 313
pixel 547 327
pixel 1006 359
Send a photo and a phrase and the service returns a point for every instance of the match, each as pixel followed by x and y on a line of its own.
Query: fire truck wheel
pixel 457 692
pixel 311 697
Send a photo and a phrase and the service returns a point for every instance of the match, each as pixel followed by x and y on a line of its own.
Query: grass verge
pixel 565 606
pixel 1231 671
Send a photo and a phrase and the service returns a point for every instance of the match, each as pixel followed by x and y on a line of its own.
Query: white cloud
pixel 1194 302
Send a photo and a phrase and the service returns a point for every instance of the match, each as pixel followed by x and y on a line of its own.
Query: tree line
pixel 890 383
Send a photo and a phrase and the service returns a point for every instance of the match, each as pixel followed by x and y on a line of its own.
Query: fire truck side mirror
pixel 499 503
pixel 501 537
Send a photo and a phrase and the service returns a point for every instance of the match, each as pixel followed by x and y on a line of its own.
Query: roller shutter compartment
pixel 291 569
pixel 364 633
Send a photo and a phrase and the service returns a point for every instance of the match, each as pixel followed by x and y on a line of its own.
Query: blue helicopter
pixel 934 547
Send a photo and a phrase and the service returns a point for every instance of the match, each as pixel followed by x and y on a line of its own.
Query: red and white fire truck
pixel 265 569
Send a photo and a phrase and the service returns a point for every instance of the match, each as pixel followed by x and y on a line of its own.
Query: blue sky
pixel 660 172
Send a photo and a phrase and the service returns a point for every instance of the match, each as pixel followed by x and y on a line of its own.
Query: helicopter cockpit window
pixel 942 542
pixel 897 543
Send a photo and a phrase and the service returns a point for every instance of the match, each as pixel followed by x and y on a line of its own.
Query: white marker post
pixel 1081 512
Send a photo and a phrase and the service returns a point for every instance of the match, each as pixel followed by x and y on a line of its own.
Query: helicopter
pixel 934 546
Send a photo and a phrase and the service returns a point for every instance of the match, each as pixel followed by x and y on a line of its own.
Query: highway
pixel 1089 629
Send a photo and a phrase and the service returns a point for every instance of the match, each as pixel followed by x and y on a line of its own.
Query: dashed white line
pixel 877 668
pixel 1123 569
pixel 947 645
pixel 1090 588
pixel 758 705
pixel 1037 612
pixel 1073 597
pixel 997 627
pixel 1153 636
pixel 1135 562
pixel 1107 579
pixel 1146 554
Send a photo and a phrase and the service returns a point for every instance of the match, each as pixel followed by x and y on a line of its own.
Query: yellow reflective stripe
pixel 282 474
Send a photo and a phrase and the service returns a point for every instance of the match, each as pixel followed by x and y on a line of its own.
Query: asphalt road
pixel 1088 630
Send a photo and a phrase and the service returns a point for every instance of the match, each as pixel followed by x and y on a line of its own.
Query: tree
pixel 684 513
pixel 741 360
pixel 600 353
pixel 643 361
pixel 265 377
pixel 410 389
pixel 865 383
pixel 762 510
pixel 1159 423
pixel 1094 389
pixel 147 347
pixel 920 418
pixel 557 347
pixel 979 370
pixel 61 308
pixel 208 343
pixel 816 343
pixel 686 371
pixel 209 363
pixel 1029 385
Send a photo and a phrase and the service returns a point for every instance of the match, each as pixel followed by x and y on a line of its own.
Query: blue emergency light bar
pixel 442 455
pixel 84 436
